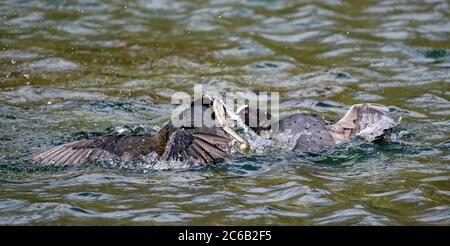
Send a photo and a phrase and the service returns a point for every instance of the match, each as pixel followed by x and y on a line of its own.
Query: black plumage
pixel 204 144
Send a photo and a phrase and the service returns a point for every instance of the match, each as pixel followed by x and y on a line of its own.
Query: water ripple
pixel 77 69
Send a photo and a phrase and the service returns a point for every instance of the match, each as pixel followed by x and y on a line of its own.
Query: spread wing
pixel 96 149
pixel 370 121
pixel 203 146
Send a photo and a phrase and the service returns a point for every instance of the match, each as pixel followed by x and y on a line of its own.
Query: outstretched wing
pixel 203 146
pixel 96 149
pixel 368 120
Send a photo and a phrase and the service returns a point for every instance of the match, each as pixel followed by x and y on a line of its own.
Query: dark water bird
pixel 203 144
pixel 372 122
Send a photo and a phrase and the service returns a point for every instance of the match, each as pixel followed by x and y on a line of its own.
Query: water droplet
pixel 13 61
pixel 26 76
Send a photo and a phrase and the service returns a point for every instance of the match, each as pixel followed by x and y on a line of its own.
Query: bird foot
pixel 220 113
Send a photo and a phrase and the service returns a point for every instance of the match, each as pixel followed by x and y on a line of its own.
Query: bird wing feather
pixel 96 149
pixel 205 147
pixel 368 120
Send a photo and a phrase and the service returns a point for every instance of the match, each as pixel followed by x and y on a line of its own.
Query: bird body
pixel 310 130
pixel 369 121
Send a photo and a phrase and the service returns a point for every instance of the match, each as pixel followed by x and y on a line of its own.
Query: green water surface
pixel 77 69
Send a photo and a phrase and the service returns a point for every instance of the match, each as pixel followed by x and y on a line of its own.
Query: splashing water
pixel 257 143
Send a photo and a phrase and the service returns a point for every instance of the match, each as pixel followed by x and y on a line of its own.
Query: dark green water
pixel 75 69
